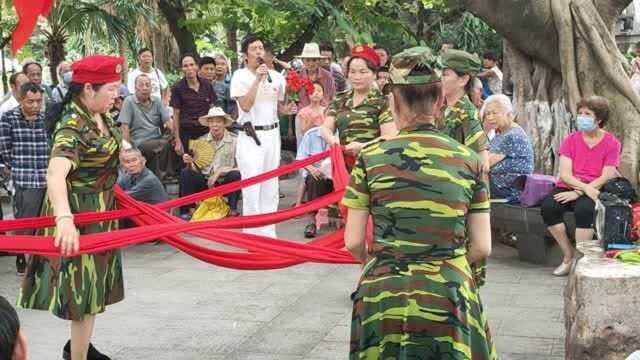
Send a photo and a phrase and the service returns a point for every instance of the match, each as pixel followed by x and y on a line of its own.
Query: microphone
pixel 260 62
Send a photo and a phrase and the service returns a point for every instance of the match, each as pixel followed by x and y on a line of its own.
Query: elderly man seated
pixel 143 118
pixel 222 168
pixel 138 181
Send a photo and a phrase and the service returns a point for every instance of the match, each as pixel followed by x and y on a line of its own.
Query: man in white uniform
pixel 258 91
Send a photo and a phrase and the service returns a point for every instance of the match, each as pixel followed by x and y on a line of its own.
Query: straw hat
pixel 215 112
pixel 311 51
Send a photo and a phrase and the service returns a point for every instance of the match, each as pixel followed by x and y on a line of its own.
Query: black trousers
pixel 317 187
pixel 27 203
pixel 584 210
pixel 192 182
pixel 190 133
pixel 161 158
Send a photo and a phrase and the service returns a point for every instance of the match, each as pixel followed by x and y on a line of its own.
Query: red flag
pixel 28 12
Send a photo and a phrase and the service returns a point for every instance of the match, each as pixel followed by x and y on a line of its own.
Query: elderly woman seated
pixel 589 157
pixel 510 151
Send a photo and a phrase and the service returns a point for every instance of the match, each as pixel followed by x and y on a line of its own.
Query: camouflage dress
pixel 461 122
pixel 72 287
pixel 417 298
pixel 360 123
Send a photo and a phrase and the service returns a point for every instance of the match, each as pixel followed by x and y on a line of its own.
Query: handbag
pixel 536 188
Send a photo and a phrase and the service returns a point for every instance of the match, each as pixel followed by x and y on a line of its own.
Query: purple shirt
pixel 587 163
pixel 326 79
pixel 192 104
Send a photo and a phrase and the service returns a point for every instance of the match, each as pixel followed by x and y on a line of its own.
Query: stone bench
pixel 533 241
pixel 601 312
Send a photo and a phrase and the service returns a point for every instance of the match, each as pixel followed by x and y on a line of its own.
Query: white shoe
pixel 564 269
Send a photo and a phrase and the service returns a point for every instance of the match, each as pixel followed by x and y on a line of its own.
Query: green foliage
pixel 469 34
pixel 280 21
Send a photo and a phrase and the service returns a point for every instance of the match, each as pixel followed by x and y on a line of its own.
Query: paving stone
pixel 523 345
pixel 330 350
pixel 180 308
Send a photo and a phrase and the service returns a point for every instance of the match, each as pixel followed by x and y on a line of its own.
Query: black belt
pixel 266 127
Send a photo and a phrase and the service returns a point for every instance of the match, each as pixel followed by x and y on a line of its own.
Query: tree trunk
pixel 231 29
pixel 560 51
pixel 56 53
pixel 175 13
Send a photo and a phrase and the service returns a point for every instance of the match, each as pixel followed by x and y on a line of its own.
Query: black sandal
pixel 310 231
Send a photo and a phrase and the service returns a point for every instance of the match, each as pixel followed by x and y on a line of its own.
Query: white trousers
pixel 254 160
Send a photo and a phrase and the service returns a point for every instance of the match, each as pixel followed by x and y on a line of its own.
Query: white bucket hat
pixel 311 51
pixel 215 112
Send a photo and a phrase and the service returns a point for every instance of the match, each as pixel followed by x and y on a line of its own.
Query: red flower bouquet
pixel 295 84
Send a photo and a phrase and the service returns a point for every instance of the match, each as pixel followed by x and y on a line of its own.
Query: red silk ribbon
pixel 155 223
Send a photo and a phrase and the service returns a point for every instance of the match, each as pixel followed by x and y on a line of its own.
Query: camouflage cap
pixel 461 62
pixel 414 66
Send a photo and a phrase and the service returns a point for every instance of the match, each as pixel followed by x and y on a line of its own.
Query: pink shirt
pixel 587 163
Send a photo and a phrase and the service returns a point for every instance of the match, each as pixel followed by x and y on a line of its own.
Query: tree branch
pixel 307 35
pixel 527 25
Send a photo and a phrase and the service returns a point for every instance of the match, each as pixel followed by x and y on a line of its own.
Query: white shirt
pixel 158 81
pixel 495 82
pixel 10 104
pixel 265 109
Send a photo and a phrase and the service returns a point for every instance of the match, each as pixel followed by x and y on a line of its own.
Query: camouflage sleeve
pixel 333 108
pixel 480 188
pixel 356 195
pixel 474 136
pixel 385 114
pixel 65 144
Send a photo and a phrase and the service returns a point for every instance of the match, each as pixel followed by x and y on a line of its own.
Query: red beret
pixel 97 69
pixel 367 53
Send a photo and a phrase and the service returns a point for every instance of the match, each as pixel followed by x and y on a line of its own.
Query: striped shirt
pixel 24 147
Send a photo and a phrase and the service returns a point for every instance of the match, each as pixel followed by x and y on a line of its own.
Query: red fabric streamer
pixel 155 223
pixel 28 12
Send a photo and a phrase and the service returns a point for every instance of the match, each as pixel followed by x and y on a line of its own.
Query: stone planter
pixel 602 307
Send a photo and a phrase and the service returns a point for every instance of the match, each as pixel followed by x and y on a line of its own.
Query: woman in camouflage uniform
pixel 427 193
pixel 361 114
pixel 82 172
pixel 461 120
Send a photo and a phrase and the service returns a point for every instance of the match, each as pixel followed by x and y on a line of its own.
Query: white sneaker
pixel 564 269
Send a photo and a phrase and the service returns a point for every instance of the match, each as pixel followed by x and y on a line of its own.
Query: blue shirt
pixel 514 144
pixel 312 143
pixel 24 147
pixel 145 187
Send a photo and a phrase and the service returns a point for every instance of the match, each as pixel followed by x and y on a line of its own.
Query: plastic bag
pixel 214 208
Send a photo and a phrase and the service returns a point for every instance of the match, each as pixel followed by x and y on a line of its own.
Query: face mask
pixel 585 123
pixel 66 77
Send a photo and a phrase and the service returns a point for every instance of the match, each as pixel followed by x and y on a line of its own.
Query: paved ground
pixel 180 308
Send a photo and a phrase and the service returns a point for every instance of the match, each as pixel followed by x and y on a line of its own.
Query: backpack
pixel 620 187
